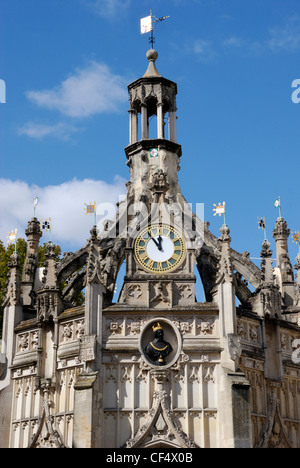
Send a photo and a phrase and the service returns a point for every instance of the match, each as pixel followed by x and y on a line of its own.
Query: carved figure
pixel 158 349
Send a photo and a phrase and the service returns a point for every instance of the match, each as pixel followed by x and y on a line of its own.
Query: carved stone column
pixel 144 122
pixel 297 292
pixel 226 301
pixel 33 233
pixel 281 234
pixel 160 121
pixel 172 126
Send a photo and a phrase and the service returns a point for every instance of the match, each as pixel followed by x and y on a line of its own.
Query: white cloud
pixel 91 90
pixel 109 9
pixel 233 41
pixel 39 131
pixel 203 49
pixel 286 37
pixel 63 203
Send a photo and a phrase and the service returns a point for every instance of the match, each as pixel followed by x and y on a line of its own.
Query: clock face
pixel 159 248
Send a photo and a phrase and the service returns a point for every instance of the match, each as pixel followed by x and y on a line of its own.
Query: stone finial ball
pixel 152 55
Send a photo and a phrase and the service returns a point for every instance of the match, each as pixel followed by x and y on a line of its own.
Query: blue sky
pixel 64 126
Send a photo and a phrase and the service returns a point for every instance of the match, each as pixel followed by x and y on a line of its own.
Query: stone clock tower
pixel 160 253
pixel 156 369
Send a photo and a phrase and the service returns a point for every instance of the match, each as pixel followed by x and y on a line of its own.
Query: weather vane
pixel 277 204
pixel 91 209
pixel 12 238
pixel 149 23
pixel 219 210
pixel 262 225
pixel 35 203
pixel 296 238
pixel 46 225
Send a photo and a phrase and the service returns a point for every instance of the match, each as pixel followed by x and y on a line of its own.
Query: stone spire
pixel 49 303
pixel 281 234
pixel 267 273
pixel 225 271
pixel 12 316
pixel 225 295
pixel 268 299
pixel 13 296
pixel 50 272
pixel 93 269
pixel 297 291
pixel 33 233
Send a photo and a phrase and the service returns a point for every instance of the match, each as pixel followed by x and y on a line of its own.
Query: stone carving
pixel 134 327
pixel 103 261
pixel 195 374
pixel 68 331
pixel 179 367
pixel 111 373
pixel 225 267
pixel 35 340
pixel 242 330
pixel 158 349
pixel 110 264
pixel 134 291
pixel 87 348
pixel 159 182
pixel 206 327
pixel 126 376
pixel 114 327
pixel 27 342
pixel 161 294
pixel 50 438
pixel 13 295
pixel 185 291
pixel 143 371
pixel 234 347
pixel 271 301
pixel 184 327
pixel 24 342
pixel 253 334
pixel 209 374
pixel 204 358
pixel 80 329
pixel 297 286
pixel 159 426
pixel 281 233
pixel 274 433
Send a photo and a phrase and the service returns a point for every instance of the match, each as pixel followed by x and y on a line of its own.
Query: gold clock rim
pixel 166 270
